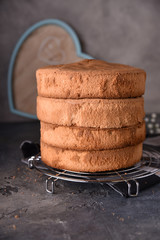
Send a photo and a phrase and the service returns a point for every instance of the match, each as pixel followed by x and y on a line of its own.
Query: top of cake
pixel 93 65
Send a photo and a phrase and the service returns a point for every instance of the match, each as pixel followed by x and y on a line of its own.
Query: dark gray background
pixel 113 30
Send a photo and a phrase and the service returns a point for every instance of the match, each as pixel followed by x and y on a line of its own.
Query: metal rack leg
pixel 50 179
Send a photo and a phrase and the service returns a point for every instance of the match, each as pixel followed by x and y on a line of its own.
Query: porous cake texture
pixel 92 115
pixel 91 79
pixel 98 113
pixel 79 138
pixel 90 161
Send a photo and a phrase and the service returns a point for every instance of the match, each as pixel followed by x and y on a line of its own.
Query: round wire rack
pixel 149 165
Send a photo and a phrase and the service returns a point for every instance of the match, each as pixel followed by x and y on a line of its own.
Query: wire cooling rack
pixel 148 166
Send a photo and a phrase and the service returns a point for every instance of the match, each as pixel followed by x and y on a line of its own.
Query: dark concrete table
pixel 75 211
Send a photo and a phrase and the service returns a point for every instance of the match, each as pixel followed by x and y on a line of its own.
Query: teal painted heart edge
pixel 57 22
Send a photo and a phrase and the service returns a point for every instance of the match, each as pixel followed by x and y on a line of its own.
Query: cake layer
pixel 90 161
pixel 101 113
pixel 79 138
pixel 90 79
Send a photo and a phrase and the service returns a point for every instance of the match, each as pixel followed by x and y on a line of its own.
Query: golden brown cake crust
pixel 90 79
pixel 90 161
pixel 101 113
pixel 78 138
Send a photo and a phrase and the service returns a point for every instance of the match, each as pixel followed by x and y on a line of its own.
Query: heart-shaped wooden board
pixel 48 42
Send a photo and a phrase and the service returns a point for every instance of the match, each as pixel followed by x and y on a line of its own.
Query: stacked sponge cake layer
pixel 91 79
pixel 91 115
pixel 79 138
pixel 102 113
pixel 90 161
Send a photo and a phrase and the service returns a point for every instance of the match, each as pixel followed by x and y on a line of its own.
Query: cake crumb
pixel 14 227
pixel 121 219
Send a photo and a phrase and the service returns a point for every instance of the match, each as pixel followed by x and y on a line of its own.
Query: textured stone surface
pixel 75 211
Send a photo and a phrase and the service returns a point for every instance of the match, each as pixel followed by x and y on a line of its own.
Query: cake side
pixel 78 138
pixel 98 113
pixel 90 161
pixel 78 80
